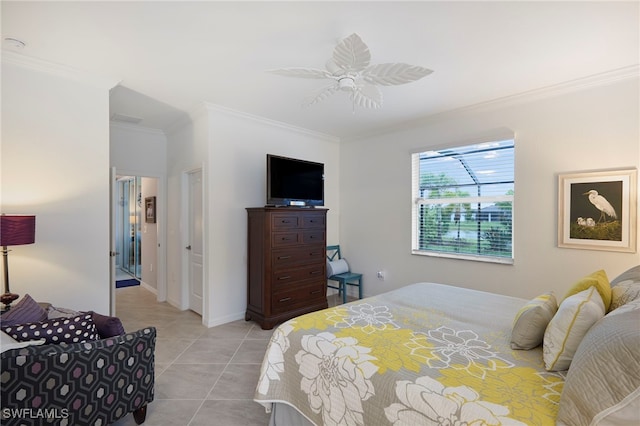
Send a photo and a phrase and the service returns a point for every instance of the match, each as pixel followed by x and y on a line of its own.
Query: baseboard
pixel 225 319
pixel 149 288
pixel 176 304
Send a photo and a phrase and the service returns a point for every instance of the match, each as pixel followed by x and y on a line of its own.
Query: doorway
pixel 138 239
pixel 137 232
pixel 128 228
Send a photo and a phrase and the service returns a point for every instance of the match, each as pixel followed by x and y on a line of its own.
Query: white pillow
pixel 7 342
pixel 337 267
pixel 575 316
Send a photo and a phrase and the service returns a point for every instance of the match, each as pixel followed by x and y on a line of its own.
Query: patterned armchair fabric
pixel 93 383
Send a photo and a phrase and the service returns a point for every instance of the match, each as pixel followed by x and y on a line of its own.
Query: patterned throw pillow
pixel 69 330
pixel 531 321
pixel 26 310
pixel 568 326
pixel 623 293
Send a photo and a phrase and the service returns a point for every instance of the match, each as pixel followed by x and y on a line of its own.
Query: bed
pixel 424 354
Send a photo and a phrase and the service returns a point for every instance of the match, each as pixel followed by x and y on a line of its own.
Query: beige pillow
pixel 568 326
pixel 623 293
pixel 531 321
pixel 603 382
pixel 598 280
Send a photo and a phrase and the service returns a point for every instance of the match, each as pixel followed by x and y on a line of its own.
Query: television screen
pixel 294 182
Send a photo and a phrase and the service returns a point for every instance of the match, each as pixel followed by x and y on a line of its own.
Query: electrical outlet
pixel 380 275
pixel 151 267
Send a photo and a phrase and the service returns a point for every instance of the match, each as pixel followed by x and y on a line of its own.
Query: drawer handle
pixel 285 239
pixel 315 291
pixel 315 272
pixel 285 221
pixel 284 257
pixel 311 237
pixel 314 253
pixel 285 278
pixel 285 299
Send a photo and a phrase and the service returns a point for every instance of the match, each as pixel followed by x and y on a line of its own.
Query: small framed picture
pixel 150 209
pixel 597 210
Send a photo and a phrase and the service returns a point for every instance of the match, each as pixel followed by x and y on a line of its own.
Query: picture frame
pixel 597 210
pixel 150 209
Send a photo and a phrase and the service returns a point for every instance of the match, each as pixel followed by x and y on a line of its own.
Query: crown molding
pixel 40 65
pixel 268 122
pixel 576 85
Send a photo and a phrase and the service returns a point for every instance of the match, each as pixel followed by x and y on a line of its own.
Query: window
pixel 463 202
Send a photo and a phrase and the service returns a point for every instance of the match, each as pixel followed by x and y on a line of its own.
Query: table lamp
pixel 15 230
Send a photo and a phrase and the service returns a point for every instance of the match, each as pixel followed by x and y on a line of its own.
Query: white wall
pixel 138 151
pixel 590 129
pixel 235 178
pixel 55 164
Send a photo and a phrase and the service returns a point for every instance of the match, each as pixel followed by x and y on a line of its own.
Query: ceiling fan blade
pixel 394 74
pixel 320 95
pixel 351 54
pixel 301 72
pixel 367 96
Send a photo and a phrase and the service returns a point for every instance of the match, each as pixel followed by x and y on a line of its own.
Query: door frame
pixel 161 218
pixel 185 226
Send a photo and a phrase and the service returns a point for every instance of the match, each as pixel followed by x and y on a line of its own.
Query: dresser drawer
pixel 315 236
pixel 314 220
pixel 284 239
pixel 284 221
pixel 288 300
pixel 292 278
pixel 292 257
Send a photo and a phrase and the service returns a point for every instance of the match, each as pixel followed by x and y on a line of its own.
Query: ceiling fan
pixel 350 71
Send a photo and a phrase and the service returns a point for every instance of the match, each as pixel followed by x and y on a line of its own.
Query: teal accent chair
pixel 344 279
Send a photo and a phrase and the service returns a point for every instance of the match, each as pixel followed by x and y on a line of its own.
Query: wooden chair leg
pixel 140 414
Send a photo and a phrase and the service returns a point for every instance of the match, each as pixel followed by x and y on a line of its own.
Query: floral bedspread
pixel 423 354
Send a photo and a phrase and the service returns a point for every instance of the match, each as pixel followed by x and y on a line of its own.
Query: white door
pixel 195 252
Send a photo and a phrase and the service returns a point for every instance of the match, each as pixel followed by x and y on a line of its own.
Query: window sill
pixel 486 259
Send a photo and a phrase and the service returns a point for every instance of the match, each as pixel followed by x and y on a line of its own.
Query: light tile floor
pixel 204 376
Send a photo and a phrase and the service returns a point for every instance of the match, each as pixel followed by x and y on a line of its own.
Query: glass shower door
pixel 130 225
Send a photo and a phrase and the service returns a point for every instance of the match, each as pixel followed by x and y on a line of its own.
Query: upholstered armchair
pixel 91 383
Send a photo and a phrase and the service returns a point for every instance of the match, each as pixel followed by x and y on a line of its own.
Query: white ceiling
pixel 171 56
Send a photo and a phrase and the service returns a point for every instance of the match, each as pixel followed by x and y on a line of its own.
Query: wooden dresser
pixel 286 264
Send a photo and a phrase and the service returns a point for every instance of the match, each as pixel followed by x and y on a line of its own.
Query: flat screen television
pixel 292 182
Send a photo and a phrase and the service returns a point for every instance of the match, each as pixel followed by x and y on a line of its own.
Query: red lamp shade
pixel 16 230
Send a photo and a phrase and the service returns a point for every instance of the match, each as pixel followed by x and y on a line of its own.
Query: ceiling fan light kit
pixel 351 72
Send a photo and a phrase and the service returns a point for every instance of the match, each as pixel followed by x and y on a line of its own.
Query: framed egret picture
pixel 597 210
